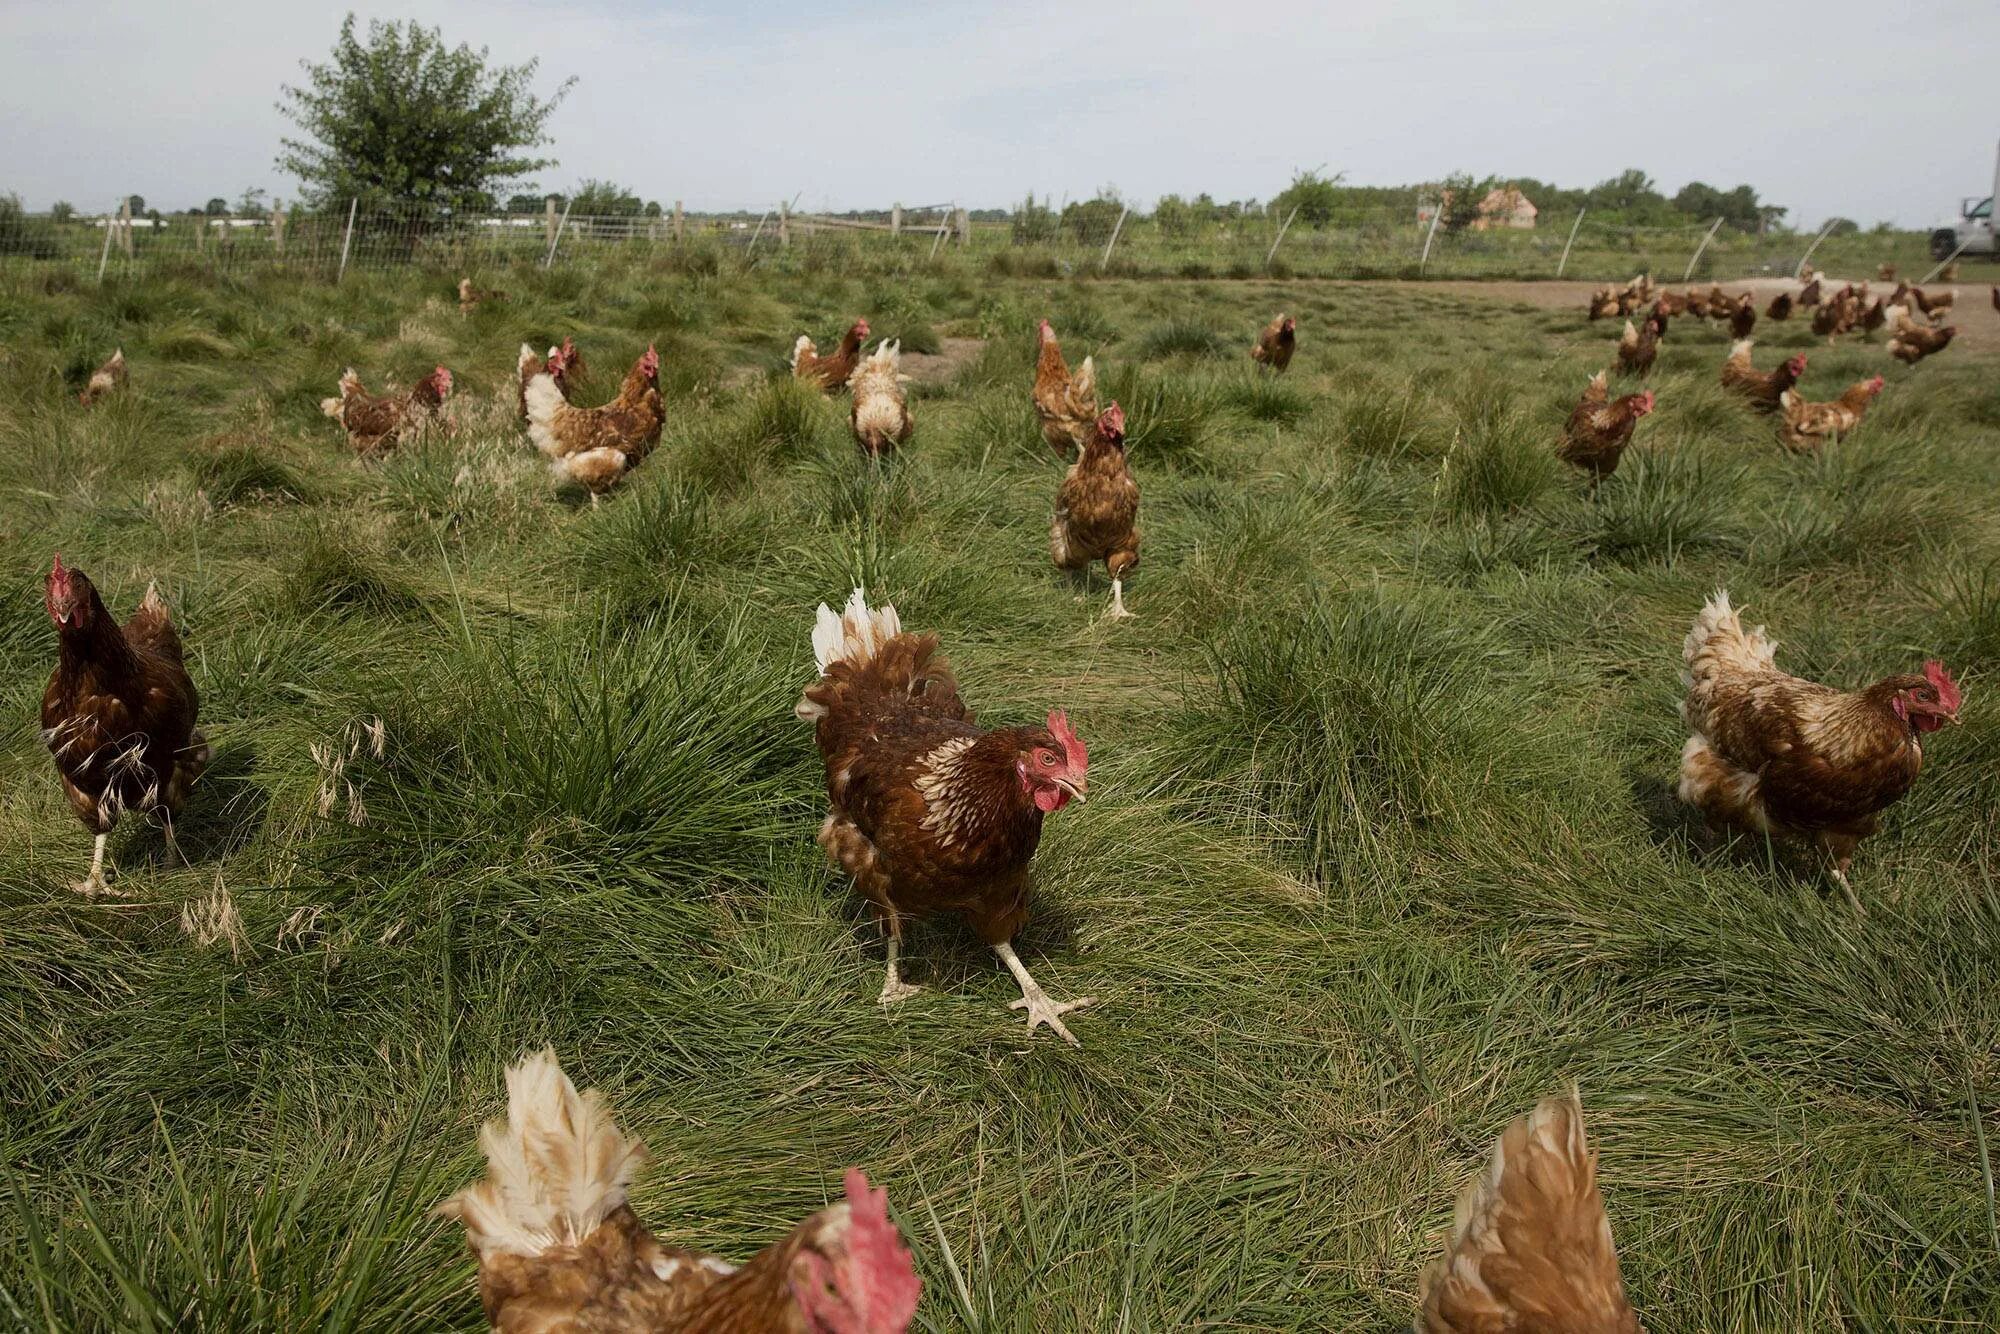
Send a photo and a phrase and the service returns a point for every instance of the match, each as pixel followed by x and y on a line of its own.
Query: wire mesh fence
pixel 1381 244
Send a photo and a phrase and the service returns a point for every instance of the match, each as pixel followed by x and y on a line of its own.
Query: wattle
pixel 1048 800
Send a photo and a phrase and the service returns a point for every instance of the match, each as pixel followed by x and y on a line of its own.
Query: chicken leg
pixel 96 884
pixel 894 988
pixel 1041 1010
pixel 1118 612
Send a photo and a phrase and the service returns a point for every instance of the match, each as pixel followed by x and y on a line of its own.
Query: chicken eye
pixel 1048 760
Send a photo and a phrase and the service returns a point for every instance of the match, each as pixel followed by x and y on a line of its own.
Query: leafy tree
pixel 605 199
pixel 1091 220
pixel 1844 227
pixel 216 207
pixel 1737 208
pixel 61 211
pixel 1173 216
pixel 23 235
pixel 1033 222
pixel 137 204
pixel 403 117
pixel 1315 196
pixel 526 203
pixel 1462 201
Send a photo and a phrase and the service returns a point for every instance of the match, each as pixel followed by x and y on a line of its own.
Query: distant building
pixel 1504 207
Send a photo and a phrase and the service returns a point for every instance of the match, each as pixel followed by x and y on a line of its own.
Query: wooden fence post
pixel 347 241
pixel 125 226
pixel 1437 211
pixel 1564 262
pixel 1116 228
pixel 555 233
pixel 938 240
pixel 549 221
pixel 784 225
pixel 104 257
pixel 896 220
pixel 278 231
pixel 200 232
pixel 1273 254
pixel 964 227
pixel 679 222
pixel 1698 249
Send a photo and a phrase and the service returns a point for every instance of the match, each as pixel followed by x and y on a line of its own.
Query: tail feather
pixel 1083 384
pixel 556 1167
pixel 854 634
pixel 804 346
pixel 1531 1245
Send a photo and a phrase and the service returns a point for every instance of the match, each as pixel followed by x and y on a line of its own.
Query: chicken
pixel 1761 389
pixel 106 378
pixel 596 447
pixel 1744 318
pixel 1837 316
pixel 376 425
pixel 1885 273
pixel 879 416
pixel 564 364
pixel 561 1252
pixel 1874 317
pixel 1721 305
pixel 1065 405
pixel 1600 427
pixel 1772 754
pixel 1638 347
pixel 1530 1247
pixel 1696 303
pixel 470 296
pixel 1911 343
pixel 1605 303
pixel 927 812
pixel 1638 292
pixel 1274 346
pixel 1933 304
pixel 119 712
pixel 1949 273
pixel 829 374
pixel 1097 510
pixel 1809 294
pixel 1808 426
pixel 1668 304
pixel 1996 298
pixel 1780 307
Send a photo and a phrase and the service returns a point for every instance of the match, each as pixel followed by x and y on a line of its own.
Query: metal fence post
pixel 1564 262
pixel 347 241
pixel 1800 270
pixel 1118 227
pixel 555 237
pixel 1273 253
pixel 1717 226
pixel 105 257
pixel 1437 211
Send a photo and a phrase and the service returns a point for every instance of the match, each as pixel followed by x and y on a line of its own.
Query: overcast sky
pixel 1856 107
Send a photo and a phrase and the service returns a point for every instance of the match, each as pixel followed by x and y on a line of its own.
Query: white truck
pixel 1971 232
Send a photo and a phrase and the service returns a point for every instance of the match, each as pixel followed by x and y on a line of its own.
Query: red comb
pixel 650 363
pixel 1072 744
pixel 882 1274
pixel 57 571
pixel 1949 694
pixel 1113 420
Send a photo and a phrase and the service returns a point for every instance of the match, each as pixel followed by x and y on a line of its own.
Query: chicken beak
pixel 1074 788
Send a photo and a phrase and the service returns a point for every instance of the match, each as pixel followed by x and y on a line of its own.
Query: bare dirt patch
pixel 954 355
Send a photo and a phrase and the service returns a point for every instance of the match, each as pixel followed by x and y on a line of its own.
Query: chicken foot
pixel 894 988
pixel 1118 612
pixel 1041 1010
pixel 96 884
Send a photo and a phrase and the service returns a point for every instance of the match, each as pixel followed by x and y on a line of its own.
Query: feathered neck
pixel 977 792
pixel 97 648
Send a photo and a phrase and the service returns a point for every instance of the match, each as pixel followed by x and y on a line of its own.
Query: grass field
pixel 1381 845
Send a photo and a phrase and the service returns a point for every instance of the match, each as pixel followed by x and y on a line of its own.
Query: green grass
pixel 1381 845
